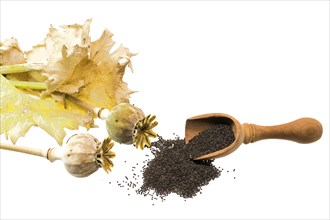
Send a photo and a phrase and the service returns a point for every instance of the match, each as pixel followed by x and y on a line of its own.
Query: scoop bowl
pixel 303 130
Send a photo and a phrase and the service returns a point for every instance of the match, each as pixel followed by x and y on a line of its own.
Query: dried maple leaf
pixel 20 111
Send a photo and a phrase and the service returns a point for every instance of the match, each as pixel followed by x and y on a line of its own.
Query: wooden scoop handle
pixel 303 130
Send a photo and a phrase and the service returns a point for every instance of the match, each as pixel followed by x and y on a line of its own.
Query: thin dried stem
pixel 29 85
pixel 50 154
pixel 21 68
pixel 99 112
pixel 25 150
pixel 84 105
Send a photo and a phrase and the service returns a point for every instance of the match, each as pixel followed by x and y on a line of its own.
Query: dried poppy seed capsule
pixel 84 154
pixel 121 122
pixel 80 155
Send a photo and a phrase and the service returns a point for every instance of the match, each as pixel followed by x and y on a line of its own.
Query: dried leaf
pixel 20 111
pixel 87 70
pixel 10 53
pixel 61 52
pixel 105 88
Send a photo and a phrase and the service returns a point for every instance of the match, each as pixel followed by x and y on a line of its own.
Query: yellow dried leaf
pixel 87 70
pixel 20 111
pixel 105 87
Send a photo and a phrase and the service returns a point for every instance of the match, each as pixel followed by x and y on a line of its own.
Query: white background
pixel 261 62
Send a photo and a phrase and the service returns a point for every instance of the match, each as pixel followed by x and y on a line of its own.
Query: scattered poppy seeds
pixel 173 171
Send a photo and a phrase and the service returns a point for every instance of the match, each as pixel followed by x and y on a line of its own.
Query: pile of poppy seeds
pixel 172 169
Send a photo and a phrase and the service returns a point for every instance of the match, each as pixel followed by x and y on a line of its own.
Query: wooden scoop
pixel 303 130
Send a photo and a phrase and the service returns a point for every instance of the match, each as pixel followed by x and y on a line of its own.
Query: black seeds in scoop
pixel 213 139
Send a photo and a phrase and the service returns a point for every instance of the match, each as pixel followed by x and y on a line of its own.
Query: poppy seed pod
pixel 122 121
pixel 80 155
pixel 84 154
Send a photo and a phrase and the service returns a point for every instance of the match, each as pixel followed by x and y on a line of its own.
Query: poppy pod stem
pixel 25 150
